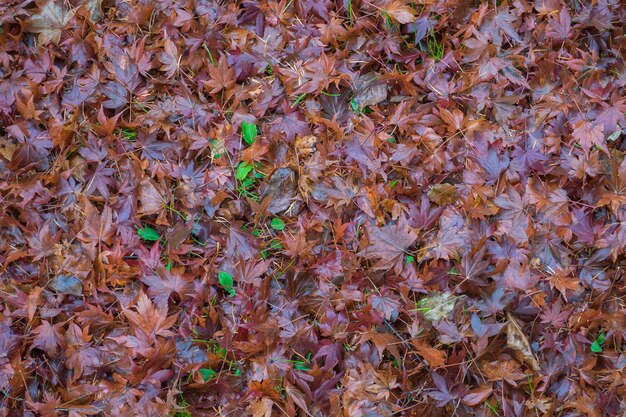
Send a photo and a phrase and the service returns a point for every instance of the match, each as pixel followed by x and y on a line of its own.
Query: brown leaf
pixel 400 12
pixel 517 340
pixel 261 408
pixel 443 194
pixel 477 396
pixel 50 21
pixel 388 244
pixel 433 356
pixel 368 90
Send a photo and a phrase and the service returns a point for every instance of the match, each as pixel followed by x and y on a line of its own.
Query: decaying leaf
pixel 50 21
pixel 67 284
pixel 368 90
pixel 281 192
pixel 443 194
pixel 437 306
pixel 312 207
pixel 517 340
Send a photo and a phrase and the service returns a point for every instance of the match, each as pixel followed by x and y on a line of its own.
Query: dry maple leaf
pixel 150 319
pixel 170 58
pixel 433 356
pixel 389 243
pixel 400 12
pixel 50 21
pixel 443 194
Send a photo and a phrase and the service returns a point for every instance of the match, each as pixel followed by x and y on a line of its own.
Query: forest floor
pixel 312 208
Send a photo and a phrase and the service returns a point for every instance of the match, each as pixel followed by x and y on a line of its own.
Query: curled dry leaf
pixel 280 193
pixel 369 90
pixel 517 340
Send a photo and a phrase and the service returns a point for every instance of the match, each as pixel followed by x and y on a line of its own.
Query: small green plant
pixel 207 374
pixel 409 259
pixel 350 15
pixel 215 149
pixel 531 389
pixel 303 364
pixel 435 48
pixel 597 345
pixel 249 132
pixel 298 100
pixel 246 177
pixel 128 134
pixel 277 224
pixel 181 408
pixel 226 281
pixel 148 234
pixel 274 246
pixel 208 51
pixel 243 169
pixel 494 408
pixel 355 106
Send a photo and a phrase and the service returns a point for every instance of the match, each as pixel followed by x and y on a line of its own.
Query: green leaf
pixel 408 259
pixel 207 374
pixel 226 281
pixel 243 169
pixel 354 106
pixel 149 234
pixel 247 183
pixel 301 366
pixel 277 224
pixel 249 132
pixel 596 346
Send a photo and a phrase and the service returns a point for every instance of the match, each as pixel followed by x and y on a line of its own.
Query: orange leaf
pixel 433 356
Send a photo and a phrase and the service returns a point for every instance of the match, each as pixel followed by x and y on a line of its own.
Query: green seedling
pixel 493 408
pixel 148 234
pixel 226 281
pixel 249 132
pixel 243 169
pixel 277 224
pixel 128 134
pixel 597 345
pixel 207 374
pixel 435 48
pixel 298 100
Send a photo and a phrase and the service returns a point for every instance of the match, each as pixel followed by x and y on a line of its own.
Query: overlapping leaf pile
pixel 312 207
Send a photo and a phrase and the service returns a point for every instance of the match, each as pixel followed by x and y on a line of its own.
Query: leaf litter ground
pixel 312 208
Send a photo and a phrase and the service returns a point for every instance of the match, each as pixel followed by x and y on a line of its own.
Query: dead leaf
pixel 50 21
pixel 443 194
pixel 433 356
pixel 400 12
pixel 368 90
pixel 517 340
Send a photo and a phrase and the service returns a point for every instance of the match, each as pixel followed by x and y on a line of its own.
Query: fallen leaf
pixel 50 22
pixel 517 340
